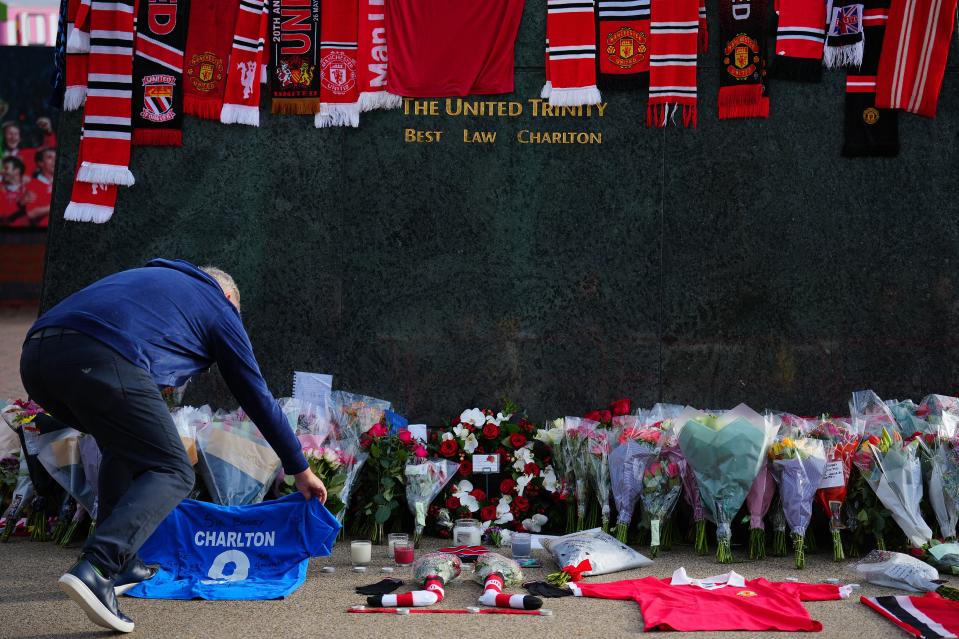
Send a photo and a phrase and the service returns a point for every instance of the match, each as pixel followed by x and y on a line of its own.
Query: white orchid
pixel 524 455
pixel 535 523
pixel 460 431
pixel 550 482
pixel 474 417
pixel 470 444
pixel 552 436
pixel 499 419
pixel 503 514
pixel 462 492
pixel 447 436
pixel 505 538
pixel 521 482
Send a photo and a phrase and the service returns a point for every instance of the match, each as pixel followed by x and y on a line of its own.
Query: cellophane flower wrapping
pixel 605 553
pixel 494 563
pixel 554 436
pixel 898 570
pixel 597 457
pixel 188 421
pixel 436 564
pixel 425 480
pixel 758 500
pixel 726 452
pixel 798 463
pixel 944 485
pixel 236 462
pixel 662 486
pixel 346 444
pixel 577 437
pixel 637 442
pixel 306 418
pixel 840 439
pixel 23 492
pixel 90 457
pixel 357 413
pixel 60 455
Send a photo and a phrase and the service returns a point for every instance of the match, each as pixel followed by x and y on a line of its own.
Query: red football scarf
pixel 571 53
pixel 241 101
pixel 158 73
pixel 76 74
pixel 799 40
pixel 207 51
pixel 295 40
pixel 90 202
pixel 78 39
pixel 844 40
pixel 914 55
pixel 703 28
pixel 339 95
pixel 623 43
pixel 373 59
pixel 869 131
pixel 105 146
pixel 928 617
pixel 494 596
pixel 673 40
pixel 742 71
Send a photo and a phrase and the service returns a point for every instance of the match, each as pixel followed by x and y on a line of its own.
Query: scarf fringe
pixel 846 56
pixel 78 42
pixel 743 102
pixel 74 98
pixel 347 114
pixel 658 116
pixel 96 173
pixel 87 213
pixel 575 97
pixel 546 90
pixel 295 106
pixel 797 69
pixel 203 108
pixel 240 114
pixel 370 100
pixel 157 137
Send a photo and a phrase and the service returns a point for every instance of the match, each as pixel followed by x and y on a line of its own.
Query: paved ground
pixel 32 607
pixel 13 327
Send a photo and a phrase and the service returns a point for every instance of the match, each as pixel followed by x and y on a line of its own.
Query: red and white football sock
pixel 241 102
pixel 339 95
pixel 571 53
pixel 494 596
pixel 431 594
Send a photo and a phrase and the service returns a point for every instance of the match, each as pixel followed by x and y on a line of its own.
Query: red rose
pixel 606 416
pixel 488 513
pixel 490 431
pixel 531 469
pixel 517 440
pixel 405 436
pixel 365 441
pixel 452 503
pixel 479 494
pixel 378 430
pixel 507 486
pixel 466 468
pixel 503 453
pixel 531 491
pixel 593 415
pixel 448 448
pixel 521 503
pixel 620 407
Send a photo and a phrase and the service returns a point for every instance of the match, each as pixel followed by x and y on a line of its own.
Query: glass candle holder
pixel 466 532
pixel 361 552
pixel 394 539
pixel 403 553
pixel 522 545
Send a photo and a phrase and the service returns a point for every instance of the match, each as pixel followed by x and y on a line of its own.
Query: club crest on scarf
pixel 205 71
pixel 626 47
pixel 158 98
pixel 741 55
pixel 870 116
pixel 339 72
pixel 295 71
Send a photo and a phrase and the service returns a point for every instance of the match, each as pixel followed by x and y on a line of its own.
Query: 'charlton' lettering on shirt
pixel 212 538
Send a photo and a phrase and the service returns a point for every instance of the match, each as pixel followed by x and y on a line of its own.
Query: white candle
pixel 467 532
pixel 361 552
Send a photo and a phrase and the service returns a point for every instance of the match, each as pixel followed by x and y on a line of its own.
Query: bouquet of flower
pixel 635 446
pixel 911 419
pixel 798 463
pixel 758 500
pixel 840 439
pixel 356 412
pixel 944 482
pixel 554 436
pixel 9 469
pixel 726 453
pixel 492 563
pixel 425 480
pixel 235 461
pixel 188 421
pixel 597 457
pixel 23 492
pixel 576 442
pixel 662 485
pixel 306 418
pixel 443 565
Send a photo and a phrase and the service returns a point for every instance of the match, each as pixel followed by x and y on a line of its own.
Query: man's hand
pixel 310 485
pixel 45 124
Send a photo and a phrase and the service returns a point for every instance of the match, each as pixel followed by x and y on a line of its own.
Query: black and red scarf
pixel 743 56
pixel 294 52
pixel 622 43
pixel 158 73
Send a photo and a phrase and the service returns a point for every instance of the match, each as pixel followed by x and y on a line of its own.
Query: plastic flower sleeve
pixel 625 471
pixel 22 494
pixel 236 462
pixel 758 500
pixel 424 482
pixel 357 413
pixel 577 435
pixel 495 563
pixel 797 465
pixel 188 420
pixel 437 564
pixel 662 485
pixel 60 455
pixel 944 484
pixel 597 457
pixel 840 440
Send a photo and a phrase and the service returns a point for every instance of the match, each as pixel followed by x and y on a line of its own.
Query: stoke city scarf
pixel 339 95
pixel 869 130
pixel 570 53
pixel 294 49
pixel 207 51
pixel 241 100
pixel 75 93
pixel 844 38
pixel 703 44
pixel 800 35
pixel 105 147
pixel 158 73
pixel 742 52
pixel 622 43
pixel 914 53
pixel 673 29
pixel 372 58
pixel 90 202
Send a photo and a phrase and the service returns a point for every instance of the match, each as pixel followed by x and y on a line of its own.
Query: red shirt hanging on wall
pixel 442 48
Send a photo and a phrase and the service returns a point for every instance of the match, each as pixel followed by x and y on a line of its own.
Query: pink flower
pixel 405 436
pixel 378 430
pixel 672 470
pixel 419 451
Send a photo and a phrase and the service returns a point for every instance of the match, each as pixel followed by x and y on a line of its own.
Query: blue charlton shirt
pixel 260 551
pixel 173 320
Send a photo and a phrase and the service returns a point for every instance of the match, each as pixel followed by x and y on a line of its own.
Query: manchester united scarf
pixel 90 202
pixel 869 130
pixel 571 53
pixel 241 100
pixel 799 40
pixel 75 93
pixel 742 71
pixel 339 95
pixel 622 43
pixel 844 39
pixel 105 147
pixel 914 55
pixel 673 41
pixel 294 50
pixel 78 39
pixel 372 58
pixel 207 51
pixel 158 73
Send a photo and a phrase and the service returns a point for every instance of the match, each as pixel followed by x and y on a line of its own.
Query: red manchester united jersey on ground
pixel 725 602
pixel 442 48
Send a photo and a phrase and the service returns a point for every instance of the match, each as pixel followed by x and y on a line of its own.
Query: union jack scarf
pixel 158 73
pixel 241 102
pixel 570 54
pixel 673 41
pixel 208 43
pixel 623 43
pixel 742 71
pixel 295 40
pixel 914 53
pixel 90 202
pixel 75 94
pixel 105 147
pixel 372 58
pixel 799 40
pixel 844 39
pixel 869 130
pixel 339 94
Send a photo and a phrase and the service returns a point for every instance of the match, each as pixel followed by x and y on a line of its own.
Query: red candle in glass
pixel 403 553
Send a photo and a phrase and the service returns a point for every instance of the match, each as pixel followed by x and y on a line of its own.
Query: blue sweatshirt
pixel 173 320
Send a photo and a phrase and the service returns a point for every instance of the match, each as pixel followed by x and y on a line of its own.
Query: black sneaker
pixel 132 574
pixel 94 594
